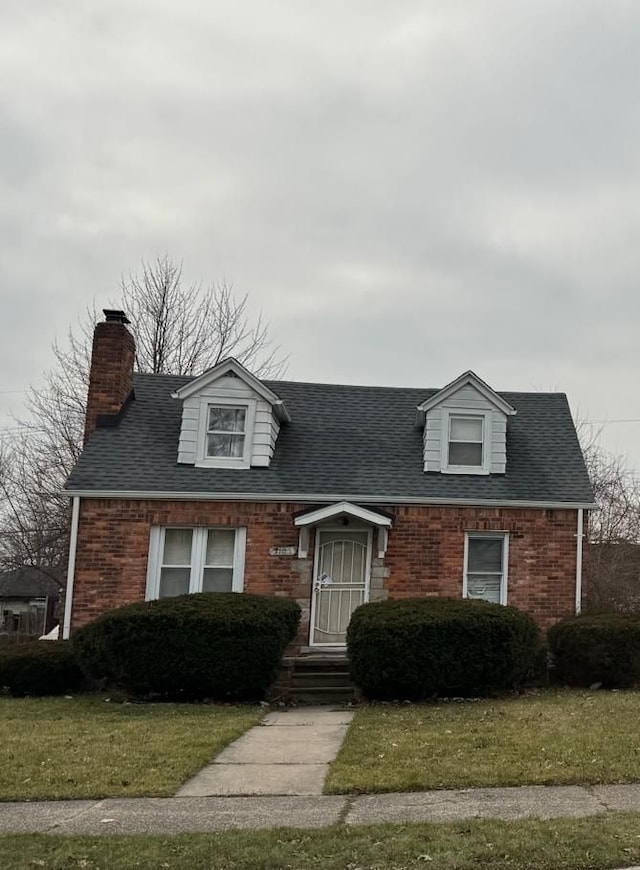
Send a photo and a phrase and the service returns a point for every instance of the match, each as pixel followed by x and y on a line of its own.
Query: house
pixel 329 494
pixel 28 602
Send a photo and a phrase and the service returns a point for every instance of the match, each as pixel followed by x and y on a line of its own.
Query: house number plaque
pixel 283 551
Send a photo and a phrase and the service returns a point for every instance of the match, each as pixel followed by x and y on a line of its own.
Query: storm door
pixel 340 583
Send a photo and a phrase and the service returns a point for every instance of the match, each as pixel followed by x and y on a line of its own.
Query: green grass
pixel 554 737
pixel 563 844
pixel 83 747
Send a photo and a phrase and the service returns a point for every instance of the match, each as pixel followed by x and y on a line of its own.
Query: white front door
pixel 340 583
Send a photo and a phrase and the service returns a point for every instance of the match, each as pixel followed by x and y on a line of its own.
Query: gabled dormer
pixel 465 428
pixel 229 419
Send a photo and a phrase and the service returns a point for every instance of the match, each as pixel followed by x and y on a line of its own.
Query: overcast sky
pixel 407 189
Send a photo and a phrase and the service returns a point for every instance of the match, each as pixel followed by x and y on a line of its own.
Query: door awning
pixel 339 509
pixel 305 520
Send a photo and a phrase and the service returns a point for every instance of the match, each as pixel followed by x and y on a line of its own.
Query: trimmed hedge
pixel 597 648
pixel 213 645
pixel 422 647
pixel 40 668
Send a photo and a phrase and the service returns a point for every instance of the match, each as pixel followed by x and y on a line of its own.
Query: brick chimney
pixel 111 375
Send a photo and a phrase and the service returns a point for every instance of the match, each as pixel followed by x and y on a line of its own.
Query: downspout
pixel 579 536
pixel 71 568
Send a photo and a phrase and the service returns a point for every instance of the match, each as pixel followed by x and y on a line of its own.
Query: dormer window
pixel 466 437
pixel 226 431
pixel 465 428
pixel 230 419
pixel 464 447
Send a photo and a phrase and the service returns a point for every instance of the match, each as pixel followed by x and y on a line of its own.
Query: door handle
pixel 322 582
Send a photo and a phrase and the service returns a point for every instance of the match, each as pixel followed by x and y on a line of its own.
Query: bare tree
pixel 188 329
pixel 179 329
pixel 612 554
pixel 34 513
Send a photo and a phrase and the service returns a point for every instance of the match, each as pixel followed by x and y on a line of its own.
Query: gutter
pixel 324 497
pixel 580 537
pixel 71 567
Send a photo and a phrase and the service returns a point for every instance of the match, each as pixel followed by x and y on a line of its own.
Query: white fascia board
pixel 304 497
pixel 478 384
pixel 223 368
pixel 336 510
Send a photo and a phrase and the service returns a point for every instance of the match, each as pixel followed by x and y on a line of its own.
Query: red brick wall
pixel 426 551
pixel 424 556
pixel 113 544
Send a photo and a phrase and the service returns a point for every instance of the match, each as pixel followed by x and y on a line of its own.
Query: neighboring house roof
pixel 343 442
pixel 28 583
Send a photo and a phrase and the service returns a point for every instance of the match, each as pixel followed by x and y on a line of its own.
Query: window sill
pixel 220 462
pixel 461 469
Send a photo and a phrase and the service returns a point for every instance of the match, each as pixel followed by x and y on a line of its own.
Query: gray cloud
pixel 407 190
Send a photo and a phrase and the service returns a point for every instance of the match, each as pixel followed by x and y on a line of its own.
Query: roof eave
pixel 323 497
pixel 481 386
pixel 218 371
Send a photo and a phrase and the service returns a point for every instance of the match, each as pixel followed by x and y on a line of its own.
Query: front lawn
pixel 554 737
pixel 84 747
pixel 571 844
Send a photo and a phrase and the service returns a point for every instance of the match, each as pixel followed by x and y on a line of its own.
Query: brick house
pixel 326 493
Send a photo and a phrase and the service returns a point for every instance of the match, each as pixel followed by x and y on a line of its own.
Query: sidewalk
pixel 288 753
pixel 204 814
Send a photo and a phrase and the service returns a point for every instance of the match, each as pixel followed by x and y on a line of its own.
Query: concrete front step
pixel 305 679
pixel 319 678
pixel 322 695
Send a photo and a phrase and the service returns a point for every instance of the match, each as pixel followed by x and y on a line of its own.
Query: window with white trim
pixel 226 431
pixel 466 441
pixel 486 559
pixel 183 560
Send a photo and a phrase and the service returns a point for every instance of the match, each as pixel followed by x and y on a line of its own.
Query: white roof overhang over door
pixel 341 509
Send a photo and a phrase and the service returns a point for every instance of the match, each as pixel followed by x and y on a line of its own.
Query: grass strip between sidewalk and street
pixel 597 843
pixel 555 737
pixel 84 747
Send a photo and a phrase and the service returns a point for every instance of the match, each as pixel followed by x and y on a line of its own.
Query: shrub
pixel 40 668
pixel 597 648
pixel 422 647
pixel 540 676
pixel 217 645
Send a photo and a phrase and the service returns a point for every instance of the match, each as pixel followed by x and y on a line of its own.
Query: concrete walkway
pixel 288 753
pixel 205 814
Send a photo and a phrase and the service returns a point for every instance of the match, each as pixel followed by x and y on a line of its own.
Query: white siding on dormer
pixel 433 440
pixel 264 439
pixel 465 400
pixel 498 443
pixel 228 385
pixel 263 433
pixel 188 443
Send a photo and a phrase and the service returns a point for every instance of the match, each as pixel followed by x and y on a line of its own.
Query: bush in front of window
pixel 212 645
pixel 597 648
pixel 419 648
pixel 40 668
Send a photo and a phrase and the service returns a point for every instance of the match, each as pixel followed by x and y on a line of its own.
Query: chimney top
pixel 115 316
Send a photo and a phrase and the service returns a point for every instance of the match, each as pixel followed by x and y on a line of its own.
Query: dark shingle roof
pixel 341 441
pixel 28 583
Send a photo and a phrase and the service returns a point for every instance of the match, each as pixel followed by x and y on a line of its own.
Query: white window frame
pixel 491 536
pixel 244 461
pixel 198 556
pixel 447 416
